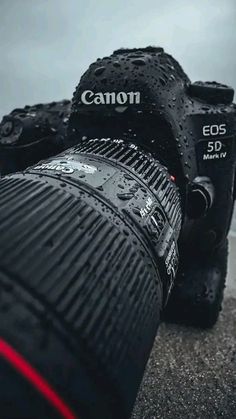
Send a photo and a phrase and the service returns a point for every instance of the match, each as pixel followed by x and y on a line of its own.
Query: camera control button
pixel 211 92
pixel 200 197
pixel 6 128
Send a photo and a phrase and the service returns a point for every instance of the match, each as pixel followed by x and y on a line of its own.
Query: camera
pixel 143 96
pixel 127 225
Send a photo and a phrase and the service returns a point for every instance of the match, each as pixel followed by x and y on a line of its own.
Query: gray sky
pixel 46 45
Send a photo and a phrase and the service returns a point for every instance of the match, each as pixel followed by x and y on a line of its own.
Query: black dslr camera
pixel 130 222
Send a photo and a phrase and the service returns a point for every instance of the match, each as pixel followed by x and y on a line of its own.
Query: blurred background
pixel 45 46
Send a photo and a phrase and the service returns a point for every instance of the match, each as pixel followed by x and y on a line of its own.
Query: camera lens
pixel 88 255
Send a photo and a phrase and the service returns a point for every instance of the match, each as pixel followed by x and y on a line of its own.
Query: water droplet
pixel 125 196
pixel 138 61
pixel 128 177
pixel 54 130
pixel 162 81
pixel 99 70
pixel 136 211
pixel 121 109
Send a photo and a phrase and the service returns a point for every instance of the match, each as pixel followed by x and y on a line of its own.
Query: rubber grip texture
pixel 78 299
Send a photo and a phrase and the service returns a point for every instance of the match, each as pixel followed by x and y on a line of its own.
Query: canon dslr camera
pixel 131 219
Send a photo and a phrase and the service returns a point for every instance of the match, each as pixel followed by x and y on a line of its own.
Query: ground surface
pixel 192 373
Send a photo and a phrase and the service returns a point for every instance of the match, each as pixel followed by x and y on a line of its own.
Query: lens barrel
pixel 88 255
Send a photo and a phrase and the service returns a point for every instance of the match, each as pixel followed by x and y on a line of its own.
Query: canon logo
pixel 110 98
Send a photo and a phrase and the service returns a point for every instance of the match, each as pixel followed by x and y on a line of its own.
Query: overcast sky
pixel 46 45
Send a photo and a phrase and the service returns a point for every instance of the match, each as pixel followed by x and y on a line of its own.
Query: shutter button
pixel 211 92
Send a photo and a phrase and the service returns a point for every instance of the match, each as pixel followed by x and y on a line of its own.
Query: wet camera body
pixel 127 224
pixel 143 97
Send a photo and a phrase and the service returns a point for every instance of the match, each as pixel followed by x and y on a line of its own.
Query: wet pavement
pixel 192 373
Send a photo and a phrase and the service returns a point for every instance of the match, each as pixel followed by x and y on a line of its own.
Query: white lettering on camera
pixel 213 130
pixel 214 151
pixel 88 97
pixel 145 211
pixel 171 259
pixel 66 167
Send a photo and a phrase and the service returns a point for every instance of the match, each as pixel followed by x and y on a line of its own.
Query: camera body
pixel 144 96
pixel 129 219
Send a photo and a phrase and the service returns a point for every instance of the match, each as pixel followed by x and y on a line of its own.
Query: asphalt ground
pixel 191 372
